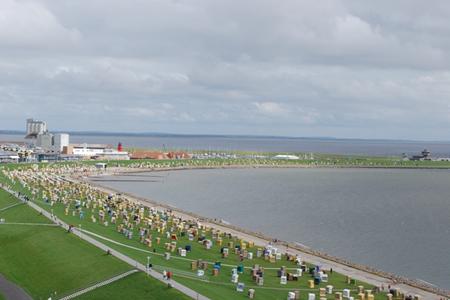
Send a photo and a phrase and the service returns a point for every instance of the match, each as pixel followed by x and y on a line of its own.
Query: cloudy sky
pixel 361 69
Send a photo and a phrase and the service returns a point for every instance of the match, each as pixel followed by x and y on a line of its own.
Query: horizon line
pixel 167 134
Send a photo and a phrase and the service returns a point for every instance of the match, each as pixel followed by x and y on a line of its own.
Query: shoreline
pixel 128 170
pixel 358 271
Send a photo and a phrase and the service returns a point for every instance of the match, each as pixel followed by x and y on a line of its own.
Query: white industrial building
pixel 97 151
pixel 52 142
pixel 111 154
pixel 286 157
pixel 40 137
pixel 35 127
pixel 87 149
pixel 44 141
pixel 54 146
pixel 60 141
pixel 8 157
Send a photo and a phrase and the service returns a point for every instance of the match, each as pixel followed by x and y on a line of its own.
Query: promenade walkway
pixel 29 224
pixel 183 289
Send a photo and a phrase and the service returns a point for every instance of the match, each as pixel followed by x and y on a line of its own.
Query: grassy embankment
pixel 44 260
pixel 319 161
pixel 216 287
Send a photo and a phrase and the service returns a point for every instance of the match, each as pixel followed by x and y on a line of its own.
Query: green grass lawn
pixel 20 213
pixel 6 200
pixel 44 260
pixel 137 286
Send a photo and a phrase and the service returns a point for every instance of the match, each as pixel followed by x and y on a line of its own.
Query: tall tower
pixel 34 128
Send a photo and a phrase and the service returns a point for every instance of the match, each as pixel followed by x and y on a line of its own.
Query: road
pixel 12 291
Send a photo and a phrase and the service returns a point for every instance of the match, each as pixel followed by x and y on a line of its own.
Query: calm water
pixel 395 220
pixel 317 145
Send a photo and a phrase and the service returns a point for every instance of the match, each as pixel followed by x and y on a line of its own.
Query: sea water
pixel 263 144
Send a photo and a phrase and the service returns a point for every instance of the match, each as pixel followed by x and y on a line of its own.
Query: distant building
pixel 111 154
pixel 38 136
pixel 34 128
pixel 49 142
pixel 95 151
pixel 60 141
pixel 46 157
pixel 45 141
pixel 8 157
pixel 141 154
pixel 286 157
pixel 425 155
pixel 87 150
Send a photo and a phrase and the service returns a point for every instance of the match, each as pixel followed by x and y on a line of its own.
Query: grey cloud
pixel 305 68
pixel 29 25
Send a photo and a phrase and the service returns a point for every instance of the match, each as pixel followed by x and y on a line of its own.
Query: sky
pixel 334 68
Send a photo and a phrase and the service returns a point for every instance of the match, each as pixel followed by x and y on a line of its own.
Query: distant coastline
pixel 235 136
pixel 251 144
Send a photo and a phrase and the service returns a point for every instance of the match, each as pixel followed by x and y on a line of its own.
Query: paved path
pixel 184 289
pixel 100 284
pixel 30 224
pixel 10 206
pixel 12 291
